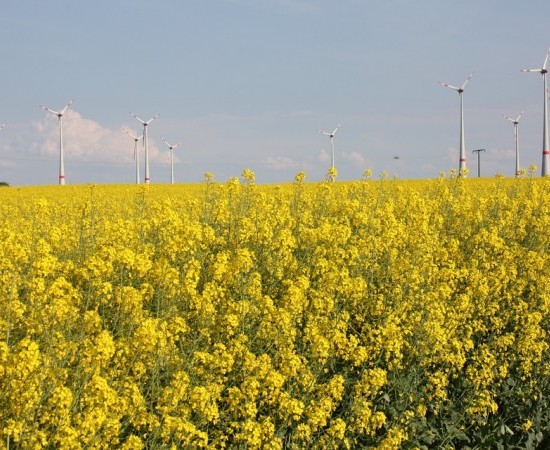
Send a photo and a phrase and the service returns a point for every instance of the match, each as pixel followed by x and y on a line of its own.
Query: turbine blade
pixel 151 119
pixel 545 60
pixel 336 129
pixel 132 135
pixel 466 82
pixel 45 108
pixel 531 70
pixel 67 106
pixel 519 116
pixel 137 118
pixel 448 85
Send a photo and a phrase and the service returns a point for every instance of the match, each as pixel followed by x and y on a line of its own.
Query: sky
pixel 249 84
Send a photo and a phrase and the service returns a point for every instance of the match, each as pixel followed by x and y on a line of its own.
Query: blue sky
pixel 248 84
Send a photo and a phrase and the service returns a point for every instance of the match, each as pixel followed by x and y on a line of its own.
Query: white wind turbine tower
pixel 331 138
pixel 136 154
pixel 59 115
pixel 145 124
pixel 516 134
pixel 462 157
pixel 545 148
pixel 171 148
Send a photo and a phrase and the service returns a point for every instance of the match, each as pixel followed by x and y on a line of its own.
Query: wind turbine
pixel 2 125
pixel 462 157
pixel 545 148
pixel 59 115
pixel 171 148
pixel 145 124
pixel 136 155
pixel 516 126
pixel 331 138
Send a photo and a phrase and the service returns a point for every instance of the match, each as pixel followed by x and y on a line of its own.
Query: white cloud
pixel 324 156
pixel 4 164
pixel 355 158
pixel 501 154
pixel 87 140
pixel 280 162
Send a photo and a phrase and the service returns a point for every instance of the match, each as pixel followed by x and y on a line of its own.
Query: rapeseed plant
pixel 383 314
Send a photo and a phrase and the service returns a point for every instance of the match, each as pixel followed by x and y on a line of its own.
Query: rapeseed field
pixel 371 314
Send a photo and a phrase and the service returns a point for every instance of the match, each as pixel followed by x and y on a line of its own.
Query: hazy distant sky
pixel 248 84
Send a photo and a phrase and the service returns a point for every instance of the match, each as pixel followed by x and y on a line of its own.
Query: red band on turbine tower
pixel 61 176
pixel 462 159
pixel 546 152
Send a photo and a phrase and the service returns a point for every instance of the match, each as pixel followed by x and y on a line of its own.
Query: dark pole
pixel 478 151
